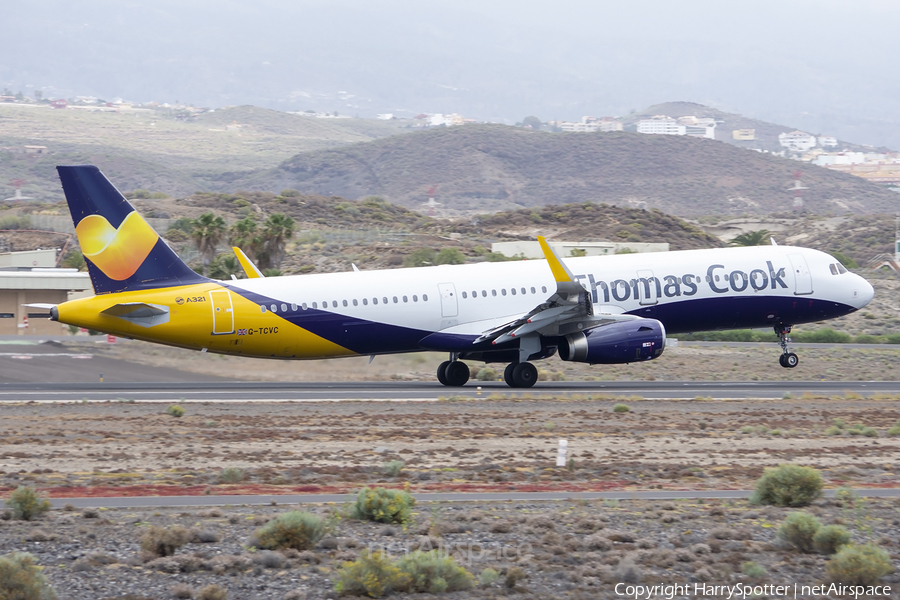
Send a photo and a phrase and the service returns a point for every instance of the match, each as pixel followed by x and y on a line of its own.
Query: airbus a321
pixel 597 310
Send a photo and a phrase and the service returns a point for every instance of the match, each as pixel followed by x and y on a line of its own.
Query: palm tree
pixel 277 230
pixel 207 231
pixel 245 235
pixel 751 238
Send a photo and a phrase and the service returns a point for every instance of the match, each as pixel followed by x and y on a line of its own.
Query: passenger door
pixel 223 312
pixel 802 277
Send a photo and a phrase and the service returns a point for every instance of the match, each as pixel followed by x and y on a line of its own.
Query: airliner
pixel 597 310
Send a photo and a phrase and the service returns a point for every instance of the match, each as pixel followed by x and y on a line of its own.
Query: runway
pixel 197 501
pixel 414 391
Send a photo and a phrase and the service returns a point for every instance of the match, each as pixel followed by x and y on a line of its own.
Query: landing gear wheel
pixel 524 375
pixel 442 372
pixel 781 360
pixel 790 360
pixel 456 374
pixel 508 374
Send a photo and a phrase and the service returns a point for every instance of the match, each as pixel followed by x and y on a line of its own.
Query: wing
pixel 568 310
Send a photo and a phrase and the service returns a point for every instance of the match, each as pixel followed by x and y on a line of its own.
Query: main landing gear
pixel 454 373
pixel 788 359
pixel 520 375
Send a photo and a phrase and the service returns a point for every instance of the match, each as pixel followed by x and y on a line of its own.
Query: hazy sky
pixel 827 66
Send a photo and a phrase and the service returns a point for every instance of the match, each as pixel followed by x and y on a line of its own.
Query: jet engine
pixel 616 343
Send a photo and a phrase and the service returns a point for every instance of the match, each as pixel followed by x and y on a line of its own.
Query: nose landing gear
pixel 788 359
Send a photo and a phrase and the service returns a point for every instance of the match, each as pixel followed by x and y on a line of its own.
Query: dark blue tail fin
pixel 120 248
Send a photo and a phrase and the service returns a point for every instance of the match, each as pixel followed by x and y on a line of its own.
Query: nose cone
pixel 863 292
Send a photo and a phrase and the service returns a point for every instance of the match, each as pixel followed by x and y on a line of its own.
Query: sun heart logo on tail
pixel 117 252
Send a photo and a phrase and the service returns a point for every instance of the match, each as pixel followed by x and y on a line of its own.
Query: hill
pixel 163 150
pixel 766 137
pixel 486 168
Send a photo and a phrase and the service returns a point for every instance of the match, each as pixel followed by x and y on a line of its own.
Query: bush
pixel 859 565
pixel 830 538
pixel 295 529
pixel 486 374
pixel 212 592
pixel 231 475
pixel 488 577
pixel 393 467
pixel 383 506
pixel 787 485
pixel 513 576
pixel 162 541
pixel 21 579
pixel 621 408
pixel 182 590
pixel 798 530
pixel 175 411
pixel 371 575
pixel 434 573
pixel 753 570
pixel 26 504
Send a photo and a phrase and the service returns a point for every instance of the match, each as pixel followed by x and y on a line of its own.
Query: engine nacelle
pixel 616 343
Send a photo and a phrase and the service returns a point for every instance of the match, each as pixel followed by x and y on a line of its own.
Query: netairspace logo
pixel 741 591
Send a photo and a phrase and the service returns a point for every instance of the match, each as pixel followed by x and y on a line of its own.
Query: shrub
pixel 26 504
pixel 295 529
pixel 621 408
pixel 870 432
pixel 433 572
pixel 798 530
pixel 488 577
pixel 833 430
pixel 231 475
pixel 212 592
pixel 182 590
pixel 753 570
pixel 513 576
pixel 21 579
pixel 383 506
pixel 787 485
pixel 830 538
pixel 371 575
pixel 486 374
pixel 858 565
pixel 162 541
pixel 175 410
pixel 895 430
pixel 393 467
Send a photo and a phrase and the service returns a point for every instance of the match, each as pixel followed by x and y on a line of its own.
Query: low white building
pixel 566 249
pixel 827 141
pixel 660 125
pixel 797 141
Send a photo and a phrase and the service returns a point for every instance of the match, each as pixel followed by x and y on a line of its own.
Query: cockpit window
pixel 833 268
pixel 841 268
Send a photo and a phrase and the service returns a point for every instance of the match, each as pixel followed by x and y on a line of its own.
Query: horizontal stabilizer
pixel 139 313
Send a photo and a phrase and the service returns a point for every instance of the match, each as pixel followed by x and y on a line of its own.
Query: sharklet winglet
pixel 250 269
pixel 560 271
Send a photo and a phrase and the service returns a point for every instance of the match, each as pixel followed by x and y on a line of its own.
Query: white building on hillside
pixel 827 141
pixel 660 125
pixel 797 140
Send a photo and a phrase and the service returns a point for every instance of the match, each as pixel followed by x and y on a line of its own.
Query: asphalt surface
pixel 233 391
pixel 178 501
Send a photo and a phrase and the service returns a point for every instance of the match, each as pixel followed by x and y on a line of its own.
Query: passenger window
pixel 405 299
pixel 304 306
pixel 355 302
pixel 365 301
pixel 345 303
pixel 384 300
pixel 415 298
pixel 503 292
pixel 273 308
pixel 395 300
pixel 532 291
pixel 262 308
pixel 544 288
pixel 484 293
pixel 493 292
pixel 424 297
pixel 523 291
pixel 374 300
pixel 284 308
pixel 315 305
pixel 512 291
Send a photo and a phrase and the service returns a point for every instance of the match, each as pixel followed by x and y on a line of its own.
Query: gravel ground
pixel 570 549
